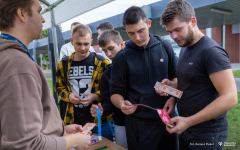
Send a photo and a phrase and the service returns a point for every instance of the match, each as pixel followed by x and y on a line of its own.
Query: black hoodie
pixel 144 66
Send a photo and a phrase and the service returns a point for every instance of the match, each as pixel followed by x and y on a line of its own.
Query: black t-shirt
pixel 80 78
pixel 194 66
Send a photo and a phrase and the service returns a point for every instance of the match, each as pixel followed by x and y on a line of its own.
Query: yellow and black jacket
pixel 63 91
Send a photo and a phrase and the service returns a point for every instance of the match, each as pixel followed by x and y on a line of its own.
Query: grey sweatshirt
pixel 29 118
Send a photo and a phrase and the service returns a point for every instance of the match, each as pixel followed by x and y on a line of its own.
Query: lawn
pixel 50 84
pixel 233 117
pixel 234 126
pixel 236 73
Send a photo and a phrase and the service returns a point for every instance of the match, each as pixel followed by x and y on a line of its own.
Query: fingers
pixel 127 108
pixel 172 130
pixel 86 101
pixel 78 128
pixel 173 120
pixel 130 111
pixel 100 106
pixel 93 110
pixel 161 93
pixel 127 103
pixel 166 81
pixel 89 133
pixel 170 110
pixel 94 107
pixel 168 107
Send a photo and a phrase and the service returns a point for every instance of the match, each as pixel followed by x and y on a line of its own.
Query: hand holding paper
pixel 168 89
pixel 182 125
pixel 127 107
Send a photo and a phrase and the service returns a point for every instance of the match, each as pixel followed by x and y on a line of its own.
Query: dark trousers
pixel 149 135
pixel 196 140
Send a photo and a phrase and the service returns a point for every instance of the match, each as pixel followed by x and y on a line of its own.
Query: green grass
pixel 233 117
pixel 47 70
pixel 234 126
pixel 236 73
pixel 50 84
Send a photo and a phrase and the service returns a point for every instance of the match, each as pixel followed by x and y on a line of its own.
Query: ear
pixel 122 44
pixel 21 15
pixel 91 41
pixel 71 39
pixel 70 32
pixel 193 21
pixel 149 23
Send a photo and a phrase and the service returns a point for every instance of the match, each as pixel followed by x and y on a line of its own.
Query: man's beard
pixel 189 39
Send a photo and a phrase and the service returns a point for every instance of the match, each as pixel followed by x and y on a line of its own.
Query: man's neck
pixel 197 36
pixel 19 35
pixel 79 58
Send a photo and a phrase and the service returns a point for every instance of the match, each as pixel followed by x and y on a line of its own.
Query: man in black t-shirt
pixel 205 76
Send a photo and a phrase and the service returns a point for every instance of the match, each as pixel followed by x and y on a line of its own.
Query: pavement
pixel 235 66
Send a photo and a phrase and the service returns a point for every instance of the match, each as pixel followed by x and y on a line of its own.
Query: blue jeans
pixel 112 126
pixel 176 110
pixel 196 140
pixel 106 131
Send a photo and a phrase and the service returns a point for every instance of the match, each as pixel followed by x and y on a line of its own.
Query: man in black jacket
pixel 145 59
pixel 111 42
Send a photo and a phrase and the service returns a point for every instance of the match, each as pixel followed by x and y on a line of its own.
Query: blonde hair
pixel 82 30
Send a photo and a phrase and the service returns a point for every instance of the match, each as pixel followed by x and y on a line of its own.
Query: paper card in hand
pixel 165 117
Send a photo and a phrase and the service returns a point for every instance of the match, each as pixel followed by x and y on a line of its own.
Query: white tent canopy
pixel 69 9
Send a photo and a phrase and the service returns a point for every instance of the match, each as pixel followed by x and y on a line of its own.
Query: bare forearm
pixel 95 96
pixel 213 110
pixel 117 99
pixel 174 83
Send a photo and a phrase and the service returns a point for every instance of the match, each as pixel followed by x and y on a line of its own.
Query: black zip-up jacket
pixel 144 66
pixel 108 107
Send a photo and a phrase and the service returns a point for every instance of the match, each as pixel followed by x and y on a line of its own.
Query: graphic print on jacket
pixel 80 77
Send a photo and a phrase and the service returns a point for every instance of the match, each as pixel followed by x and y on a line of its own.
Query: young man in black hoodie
pixel 145 59
pixel 111 42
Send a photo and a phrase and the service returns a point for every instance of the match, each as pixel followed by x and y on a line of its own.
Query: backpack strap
pixel 65 68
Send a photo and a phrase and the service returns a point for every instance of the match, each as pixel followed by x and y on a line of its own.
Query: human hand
pixel 162 93
pixel 74 98
pixel 84 141
pixel 90 97
pixel 127 108
pixel 182 125
pixel 94 108
pixel 73 128
pixel 170 105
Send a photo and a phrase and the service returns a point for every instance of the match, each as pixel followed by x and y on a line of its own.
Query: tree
pixel 44 34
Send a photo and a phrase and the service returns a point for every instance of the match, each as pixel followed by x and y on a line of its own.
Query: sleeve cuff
pixel 61 143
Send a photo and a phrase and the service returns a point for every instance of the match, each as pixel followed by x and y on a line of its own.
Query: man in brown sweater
pixel 29 118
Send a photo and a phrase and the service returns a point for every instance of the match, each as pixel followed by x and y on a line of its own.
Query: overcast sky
pixel 106 11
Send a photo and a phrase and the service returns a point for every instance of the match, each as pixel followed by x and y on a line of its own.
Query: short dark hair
pixel 82 30
pixel 109 35
pixel 180 9
pixel 133 15
pixel 105 26
pixel 8 11
pixel 74 24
